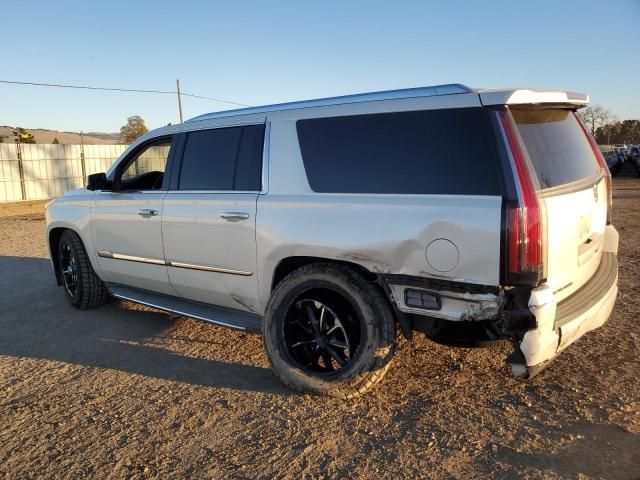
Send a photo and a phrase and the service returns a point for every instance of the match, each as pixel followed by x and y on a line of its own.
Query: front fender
pixel 70 213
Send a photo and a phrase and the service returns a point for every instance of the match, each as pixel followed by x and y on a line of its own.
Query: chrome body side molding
pixel 129 258
pixel 155 261
pixel 208 269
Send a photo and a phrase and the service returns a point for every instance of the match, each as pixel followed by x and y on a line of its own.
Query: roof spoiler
pixel 531 96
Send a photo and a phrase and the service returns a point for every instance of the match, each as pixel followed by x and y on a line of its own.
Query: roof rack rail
pixel 430 91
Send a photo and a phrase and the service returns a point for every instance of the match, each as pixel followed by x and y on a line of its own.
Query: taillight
pixel 524 236
pixel 603 165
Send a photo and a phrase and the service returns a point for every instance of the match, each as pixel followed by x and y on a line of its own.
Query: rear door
pixel 209 216
pixel 574 189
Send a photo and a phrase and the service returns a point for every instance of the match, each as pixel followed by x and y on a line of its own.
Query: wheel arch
pixel 289 264
pixel 53 239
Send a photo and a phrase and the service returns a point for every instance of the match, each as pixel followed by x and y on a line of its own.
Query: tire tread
pixel 373 373
pixel 92 292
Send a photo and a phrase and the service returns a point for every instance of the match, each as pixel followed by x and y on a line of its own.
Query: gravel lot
pixel 128 392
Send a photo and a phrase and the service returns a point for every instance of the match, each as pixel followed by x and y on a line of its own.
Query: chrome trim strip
pixel 234 216
pixel 129 258
pixel 133 258
pixel 435 90
pixel 173 310
pixel 153 261
pixel 204 268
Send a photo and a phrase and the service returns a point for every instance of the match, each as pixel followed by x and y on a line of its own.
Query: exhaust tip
pixel 519 367
pixel 519 370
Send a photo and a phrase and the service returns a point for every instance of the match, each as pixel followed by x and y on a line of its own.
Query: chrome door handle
pixel 234 216
pixel 148 212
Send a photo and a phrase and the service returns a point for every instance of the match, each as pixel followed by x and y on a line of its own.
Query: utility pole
pixel 179 99
pixel 82 160
pixel 23 187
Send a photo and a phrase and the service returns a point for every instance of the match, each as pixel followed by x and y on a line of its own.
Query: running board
pixel 227 317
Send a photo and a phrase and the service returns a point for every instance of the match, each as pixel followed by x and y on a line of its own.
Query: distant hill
pixel 47 136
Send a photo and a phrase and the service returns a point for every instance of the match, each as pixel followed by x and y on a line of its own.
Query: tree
pixel 23 136
pixel 134 128
pixel 595 117
pixel 614 133
pixel 607 134
pixel 55 141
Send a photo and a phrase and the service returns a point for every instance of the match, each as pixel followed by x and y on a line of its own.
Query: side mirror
pixel 98 181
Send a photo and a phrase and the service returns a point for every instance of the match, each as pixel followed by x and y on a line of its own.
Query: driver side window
pixel 145 170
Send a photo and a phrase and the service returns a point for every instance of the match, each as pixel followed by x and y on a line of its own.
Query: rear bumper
pixel 561 324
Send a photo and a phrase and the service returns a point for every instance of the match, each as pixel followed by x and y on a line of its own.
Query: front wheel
pixel 328 330
pixel 82 286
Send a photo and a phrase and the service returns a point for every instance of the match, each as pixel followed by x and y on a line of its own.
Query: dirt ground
pixel 128 392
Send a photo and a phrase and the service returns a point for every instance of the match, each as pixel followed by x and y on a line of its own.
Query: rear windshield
pixel 419 152
pixel 557 146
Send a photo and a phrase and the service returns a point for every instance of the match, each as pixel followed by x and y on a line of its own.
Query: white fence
pixel 40 171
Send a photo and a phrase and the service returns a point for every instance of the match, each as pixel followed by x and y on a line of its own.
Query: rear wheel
pixel 329 330
pixel 82 286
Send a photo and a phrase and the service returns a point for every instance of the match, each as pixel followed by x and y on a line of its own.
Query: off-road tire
pixel 90 291
pixel 377 331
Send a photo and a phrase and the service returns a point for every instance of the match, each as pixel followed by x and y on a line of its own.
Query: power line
pixel 110 89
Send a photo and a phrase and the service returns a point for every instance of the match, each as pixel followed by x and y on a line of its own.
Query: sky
pixel 267 52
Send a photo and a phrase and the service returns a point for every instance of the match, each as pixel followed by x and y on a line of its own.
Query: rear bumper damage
pixel 559 325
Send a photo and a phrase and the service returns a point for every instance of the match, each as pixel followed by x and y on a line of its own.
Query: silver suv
pixel 329 225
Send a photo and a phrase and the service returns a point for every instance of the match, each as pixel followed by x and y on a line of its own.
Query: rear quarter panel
pixel 383 233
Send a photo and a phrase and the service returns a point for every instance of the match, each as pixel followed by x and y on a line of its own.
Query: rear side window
pixel 223 159
pixel 558 148
pixel 424 152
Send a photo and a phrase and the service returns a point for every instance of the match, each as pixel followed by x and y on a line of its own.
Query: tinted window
pixel 248 174
pixel 426 152
pixel 145 169
pixel 558 148
pixel 223 159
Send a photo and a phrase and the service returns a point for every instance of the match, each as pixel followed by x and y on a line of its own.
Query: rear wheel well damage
pixel 510 322
pixel 290 264
pixel 506 319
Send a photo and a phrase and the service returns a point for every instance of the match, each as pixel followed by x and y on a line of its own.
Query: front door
pixel 209 217
pixel 126 222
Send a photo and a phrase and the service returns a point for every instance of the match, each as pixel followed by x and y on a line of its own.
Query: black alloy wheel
pixel 69 269
pixel 329 329
pixel 82 286
pixel 321 332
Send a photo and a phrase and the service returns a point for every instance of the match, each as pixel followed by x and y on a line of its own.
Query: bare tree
pixel 595 117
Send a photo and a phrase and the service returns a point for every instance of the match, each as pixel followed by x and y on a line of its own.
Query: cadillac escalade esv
pixel 329 225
